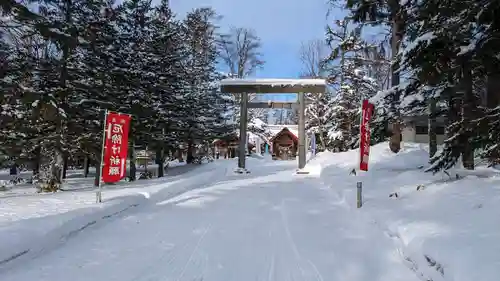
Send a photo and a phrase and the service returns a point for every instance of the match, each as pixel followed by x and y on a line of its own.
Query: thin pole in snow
pixel 359 194
pixel 359 184
pixel 99 192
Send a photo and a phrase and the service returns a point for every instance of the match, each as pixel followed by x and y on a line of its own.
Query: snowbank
pixel 444 227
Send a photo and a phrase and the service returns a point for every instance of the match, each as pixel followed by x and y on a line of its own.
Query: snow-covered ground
pixel 29 220
pixel 444 227
pixel 214 225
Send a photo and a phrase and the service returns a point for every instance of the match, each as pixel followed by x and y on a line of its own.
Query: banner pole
pixel 359 183
pixel 99 192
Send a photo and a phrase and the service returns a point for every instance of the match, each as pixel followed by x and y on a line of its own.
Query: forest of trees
pixel 66 62
pixel 436 58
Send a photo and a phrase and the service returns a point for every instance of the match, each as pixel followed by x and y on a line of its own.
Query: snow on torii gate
pixel 272 86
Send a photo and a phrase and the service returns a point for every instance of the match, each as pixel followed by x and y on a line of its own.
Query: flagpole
pixel 99 192
pixel 359 183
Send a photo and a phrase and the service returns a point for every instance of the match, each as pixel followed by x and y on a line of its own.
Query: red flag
pixel 364 138
pixel 115 147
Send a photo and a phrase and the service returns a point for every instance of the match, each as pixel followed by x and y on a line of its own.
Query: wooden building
pixel 284 145
pixel 226 148
pixel 416 129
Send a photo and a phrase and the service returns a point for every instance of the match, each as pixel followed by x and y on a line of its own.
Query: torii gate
pixel 270 86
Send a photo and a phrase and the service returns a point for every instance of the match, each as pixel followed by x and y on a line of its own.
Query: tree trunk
pixel 160 158
pixel 179 155
pixel 322 138
pixel 50 169
pixel 492 101
pixel 133 169
pixel 146 159
pixel 189 157
pixel 468 105
pixel 36 160
pixel 86 164
pixel 493 91
pixel 432 128
pixel 397 37
pixel 97 172
pixel 65 166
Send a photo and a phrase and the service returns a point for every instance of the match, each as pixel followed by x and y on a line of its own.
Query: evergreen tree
pixel 392 14
pixel 443 69
pixel 133 77
pixel 201 97
pixel 348 66
pixel 168 85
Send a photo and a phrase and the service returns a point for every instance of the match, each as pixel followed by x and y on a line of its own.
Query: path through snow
pixel 268 225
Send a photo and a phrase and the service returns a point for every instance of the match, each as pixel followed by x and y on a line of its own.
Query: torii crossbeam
pixel 272 86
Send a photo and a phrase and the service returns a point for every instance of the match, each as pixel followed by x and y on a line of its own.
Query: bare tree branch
pixel 311 55
pixel 240 51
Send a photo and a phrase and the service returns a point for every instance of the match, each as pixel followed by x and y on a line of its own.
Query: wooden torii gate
pixel 272 86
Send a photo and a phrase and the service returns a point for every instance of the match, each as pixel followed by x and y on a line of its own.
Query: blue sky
pixel 281 24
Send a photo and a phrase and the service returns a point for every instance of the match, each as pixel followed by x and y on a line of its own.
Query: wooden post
pixel 359 197
pixel 243 131
pixel 302 131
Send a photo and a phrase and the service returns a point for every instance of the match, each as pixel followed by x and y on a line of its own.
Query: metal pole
pixel 302 131
pixel 243 130
pixel 99 192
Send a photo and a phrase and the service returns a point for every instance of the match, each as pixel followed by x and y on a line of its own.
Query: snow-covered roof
pixel 275 129
pixel 285 128
pixel 274 82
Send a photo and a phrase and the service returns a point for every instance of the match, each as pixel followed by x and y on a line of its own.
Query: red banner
pixel 364 138
pixel 115 147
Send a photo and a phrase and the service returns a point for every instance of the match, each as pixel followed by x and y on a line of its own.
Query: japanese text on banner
pixel 115 147
pixel 364 138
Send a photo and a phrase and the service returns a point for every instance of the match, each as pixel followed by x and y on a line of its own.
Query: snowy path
pixel 270 227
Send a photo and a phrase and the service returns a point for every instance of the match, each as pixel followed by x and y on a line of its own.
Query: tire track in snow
pixel 195 251
pixel 171 255
pixel 293 246
pixel 270 274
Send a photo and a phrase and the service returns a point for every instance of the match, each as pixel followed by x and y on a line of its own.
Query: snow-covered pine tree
pixel 166 61
pixel 10 73
pixel 348 71
pixel 133 76
pixel 312 55
pixel 318 116
pixel 53 85
pixel 94 91
pixel 487 51
pixel 385 13
pixel 21 13
pixel 200 101
pixel 443 68
pixel 21 129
